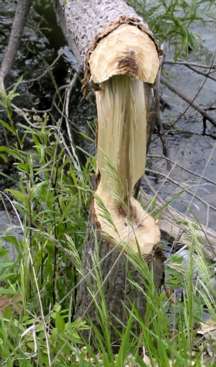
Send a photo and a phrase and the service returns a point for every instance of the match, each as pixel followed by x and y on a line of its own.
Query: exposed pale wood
pixel 121 155
pixel 131 52
pixel 138 232
pixel 84 20
pixel 122 135
pixel 121 142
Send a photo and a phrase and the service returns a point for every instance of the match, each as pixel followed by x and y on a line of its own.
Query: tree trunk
pixel 119 55
pixel 22 10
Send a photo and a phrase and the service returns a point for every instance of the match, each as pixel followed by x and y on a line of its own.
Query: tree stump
pixel 119 55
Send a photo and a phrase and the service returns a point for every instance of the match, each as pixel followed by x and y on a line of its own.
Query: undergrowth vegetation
pixel 49 205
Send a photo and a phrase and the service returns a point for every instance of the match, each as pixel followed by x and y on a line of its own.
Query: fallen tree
pixel 118 54
pixel 176 227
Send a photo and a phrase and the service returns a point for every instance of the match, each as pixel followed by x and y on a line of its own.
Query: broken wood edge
pixel 110 28
pixel 138 233
pixel 174 226
pixel 125 51
pixel 120 162
pixel 122 57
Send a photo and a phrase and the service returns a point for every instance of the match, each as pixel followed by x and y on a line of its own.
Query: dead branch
pixel 154 156
pixel 206 75
pixel 69 90
pixel 189 100
pixel 186 63
pixel 158 123
pixel 174 225
pixel 22 10
pixel 183 187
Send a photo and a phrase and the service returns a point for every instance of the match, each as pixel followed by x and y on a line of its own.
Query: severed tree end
pixel 110 277
pixel 125 51
pixel 121 158
pixel 121 62
pixel 138 232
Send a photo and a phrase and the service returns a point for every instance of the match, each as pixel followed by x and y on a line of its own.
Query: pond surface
pixel 195 181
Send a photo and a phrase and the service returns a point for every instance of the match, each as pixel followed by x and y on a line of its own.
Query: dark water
pixel 187 146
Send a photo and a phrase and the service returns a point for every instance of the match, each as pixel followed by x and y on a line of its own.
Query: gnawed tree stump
pixel 109 275
pixel 119 55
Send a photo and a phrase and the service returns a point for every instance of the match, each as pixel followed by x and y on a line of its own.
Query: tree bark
pixel 117 52
pixel 109 274
pixel 22 10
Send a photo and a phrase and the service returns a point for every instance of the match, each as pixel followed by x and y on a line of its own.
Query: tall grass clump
pixel 49 202
pixel 49 205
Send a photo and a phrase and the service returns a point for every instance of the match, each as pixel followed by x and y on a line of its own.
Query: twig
pixel 159 125
pixel 47 70
pixel 153 156
pixel 186 63
pixel 72 145
pixel 183 187
pixel 22 10
pixel 189 100
pixel 207 75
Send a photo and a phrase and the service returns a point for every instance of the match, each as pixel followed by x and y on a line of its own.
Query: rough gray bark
pixel 22 10
pixel 85 21
pixel 116 273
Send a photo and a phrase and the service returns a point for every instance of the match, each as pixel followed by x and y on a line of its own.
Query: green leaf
pixel 59 322
pixel 18 195
pixel 8 127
